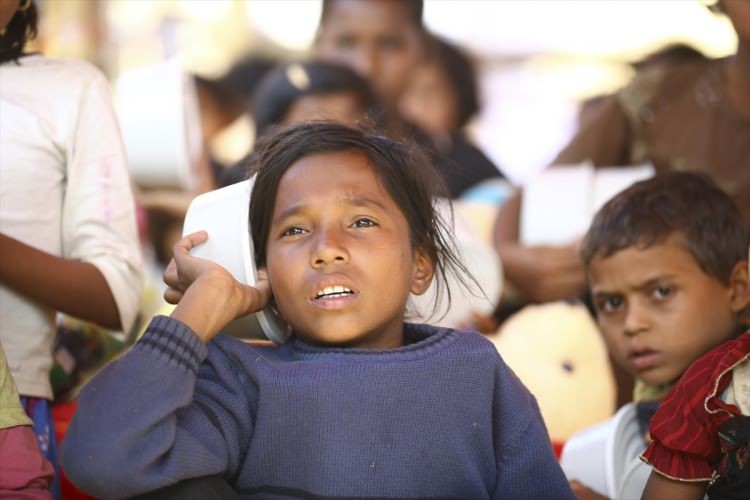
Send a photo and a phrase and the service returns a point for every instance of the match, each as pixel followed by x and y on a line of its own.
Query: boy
pixel 665 261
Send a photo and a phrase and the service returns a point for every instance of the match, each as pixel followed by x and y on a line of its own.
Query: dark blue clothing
pixel 442 416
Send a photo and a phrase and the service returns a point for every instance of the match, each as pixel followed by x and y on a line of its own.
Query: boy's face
pixel 375 38
pixel 339 256
pixel 659 311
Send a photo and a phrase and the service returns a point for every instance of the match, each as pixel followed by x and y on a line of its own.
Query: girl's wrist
pixel 207 307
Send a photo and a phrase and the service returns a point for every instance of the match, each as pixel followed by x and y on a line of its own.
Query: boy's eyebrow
pixel 648 284
pixel 357 201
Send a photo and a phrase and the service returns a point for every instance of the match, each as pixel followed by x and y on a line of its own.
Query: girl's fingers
pixel 172 296
pixel 170 274
pixel 189 242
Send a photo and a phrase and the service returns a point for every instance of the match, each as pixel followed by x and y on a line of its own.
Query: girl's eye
pixel 662 292
pixel 610 304
pixel 364 222
pixel 293 231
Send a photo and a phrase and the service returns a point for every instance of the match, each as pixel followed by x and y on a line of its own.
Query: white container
pixel 224 215
pixel 605 457
pixel 157 107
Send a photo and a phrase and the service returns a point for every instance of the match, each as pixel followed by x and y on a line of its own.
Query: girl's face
pixel 376 39
pixel 430 101
pixel 339 254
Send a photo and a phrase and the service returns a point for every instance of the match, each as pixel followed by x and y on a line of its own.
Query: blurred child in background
pixel 301 92
pixel 441 98
pixel 67 218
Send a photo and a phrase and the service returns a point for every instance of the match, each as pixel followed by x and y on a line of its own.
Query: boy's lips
pixel 644 359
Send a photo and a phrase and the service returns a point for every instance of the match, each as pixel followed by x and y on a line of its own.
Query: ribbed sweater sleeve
pixel 146 417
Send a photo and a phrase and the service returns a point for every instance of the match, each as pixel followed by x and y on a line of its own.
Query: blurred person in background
pixel 224 100
pixel 300 92
pixel 67 217
pixel 382 40
pixel 692 116
pixel 441 98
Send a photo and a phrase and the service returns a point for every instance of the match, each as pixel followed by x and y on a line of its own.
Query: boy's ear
pixel 739 286
pixel 424 270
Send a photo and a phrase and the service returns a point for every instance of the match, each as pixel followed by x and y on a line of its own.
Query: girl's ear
pixel 739 286
pixel 424 270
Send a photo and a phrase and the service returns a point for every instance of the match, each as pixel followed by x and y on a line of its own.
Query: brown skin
pixel 325 231
pixel 738 71
pixel 429 101
pixel 659 487
pixel 342 230
pixel 659 311
pixel 7 11
pixel 376 39
pixel 69 286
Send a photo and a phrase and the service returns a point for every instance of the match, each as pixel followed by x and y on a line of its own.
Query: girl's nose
pixel 328 250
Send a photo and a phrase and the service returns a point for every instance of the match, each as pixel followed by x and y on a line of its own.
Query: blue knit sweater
pixel 442 416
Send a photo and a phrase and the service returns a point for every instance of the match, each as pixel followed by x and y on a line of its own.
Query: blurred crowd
pixel 95 186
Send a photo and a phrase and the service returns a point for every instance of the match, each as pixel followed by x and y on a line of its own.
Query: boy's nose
pixel 636 320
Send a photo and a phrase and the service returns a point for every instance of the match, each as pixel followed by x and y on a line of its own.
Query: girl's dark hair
pixel 414 11
pixel 684 203
pixel 460 71
pixel 281 87
pixel 403 169
pixel 21 28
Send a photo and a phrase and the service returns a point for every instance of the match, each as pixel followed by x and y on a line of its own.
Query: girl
pixel 357 403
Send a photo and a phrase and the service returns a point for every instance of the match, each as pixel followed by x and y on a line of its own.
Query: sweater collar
pixel 419 341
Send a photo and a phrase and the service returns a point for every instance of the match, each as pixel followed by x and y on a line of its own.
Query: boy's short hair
pixel 650 211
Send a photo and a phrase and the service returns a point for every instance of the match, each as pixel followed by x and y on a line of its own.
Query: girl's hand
pixel 207 295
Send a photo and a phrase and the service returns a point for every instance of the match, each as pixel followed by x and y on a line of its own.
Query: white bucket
pixel 224 215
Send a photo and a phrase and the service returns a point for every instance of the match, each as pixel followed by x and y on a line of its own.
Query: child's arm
pixel 171 408
pixel 659 487
pixel 207 295
pixel 70 286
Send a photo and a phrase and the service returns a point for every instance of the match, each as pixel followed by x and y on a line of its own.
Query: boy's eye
pixel 364 222
pixel 293 231
pixel 662 292
pixel 390 43
pixel 610 304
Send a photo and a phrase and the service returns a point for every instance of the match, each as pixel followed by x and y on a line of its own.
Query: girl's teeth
pixel 338 291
